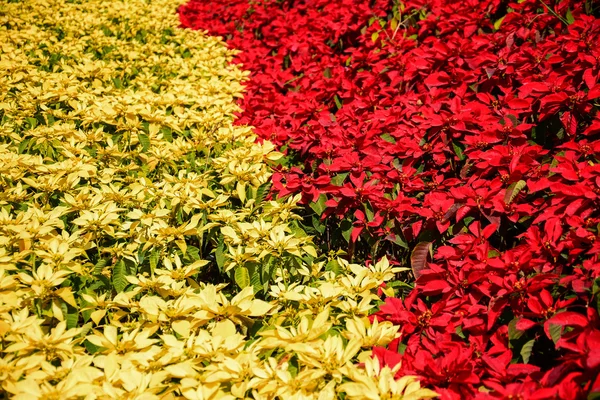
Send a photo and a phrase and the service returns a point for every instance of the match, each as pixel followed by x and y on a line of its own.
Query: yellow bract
pixel 125 188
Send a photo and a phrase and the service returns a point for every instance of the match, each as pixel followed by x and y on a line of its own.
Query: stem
pixel 564 21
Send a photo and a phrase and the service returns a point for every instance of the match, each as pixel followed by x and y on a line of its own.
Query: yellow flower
pixel 43 281
pixel 307 332
pixel 58 344
pixel 99 222
pixel 370 335
pixel 215 306
pixel 193 389
pixel 178 271
pixel 58 252
pixel 331 357
pixel 375 383
pixel 110 340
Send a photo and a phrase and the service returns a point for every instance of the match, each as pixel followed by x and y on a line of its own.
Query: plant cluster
pixel 458 137
pixel 139 258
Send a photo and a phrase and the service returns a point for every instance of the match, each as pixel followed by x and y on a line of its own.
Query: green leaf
pixel 130 267
pixel 397 239
pixel 338 102
pixel 293 366
pixel 261 193
pixel 596 293
pixel 369 212
pixel 498 23
pixel 297 230
pixel 23 145
pixel 154 260
pixel 72 320
pixel 167 134
pixel 64 308
pixel 145 141
pixel 316 223
pixel 388 138
pixel 242 278
pixel 418 257
pixel 118 276
pixel 319 205
pixel 219 255
pixel 191 157
pixel 513 119
pixel 338 180
pixel 91 348
pixel 117 82
pixel 569 16
pixel 513 333
pixel 85 329
pixel 193 253
pixel 526 350
pixel 32 122
pixel 492 253
pixel 255 281
pixel 333 266
pixel 513 190
pixel 346 227
pixel 402 348
pixel 555 332
pixel 594 395
pixel 141 255
pixel 459 151
pixel 100 266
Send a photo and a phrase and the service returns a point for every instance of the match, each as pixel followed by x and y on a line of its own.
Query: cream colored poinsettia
pixel 374 383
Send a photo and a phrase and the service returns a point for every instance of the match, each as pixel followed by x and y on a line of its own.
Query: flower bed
pixel 139 258
pixel 460 138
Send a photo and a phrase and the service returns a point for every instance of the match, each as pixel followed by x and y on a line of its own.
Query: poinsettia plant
pixel 458 138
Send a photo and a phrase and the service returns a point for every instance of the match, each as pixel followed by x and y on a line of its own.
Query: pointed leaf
pixel 72 320
pixel 255 281
pixel 153 260
pixel 569 16
pixel 554 332
pixel 514 333
pixel 242 278
pixel 388 138
pixel 334 266
pixel 145 142
pixel 346 227
pixel 513 190
pixel 219 255
pixel 319 206
pixel 338 103
pixel 118 276
pixel 526 350
pixel 458 151
pixel 498 23
pixel 338 180
pixel 100 266
pixel 193 253
pixel 262 192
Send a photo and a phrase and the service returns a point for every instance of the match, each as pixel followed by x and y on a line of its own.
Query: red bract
pixel 471 125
